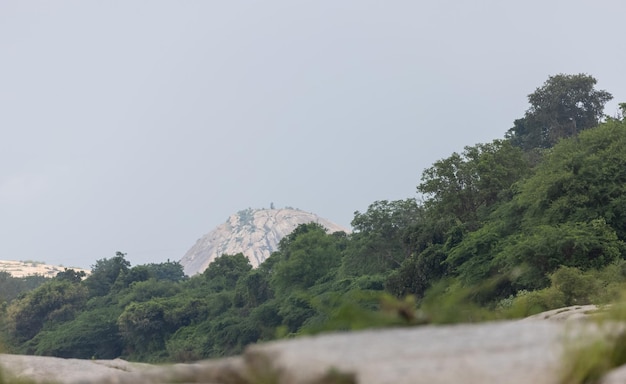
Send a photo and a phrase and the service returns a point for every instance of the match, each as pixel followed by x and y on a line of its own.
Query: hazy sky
pixel 139 126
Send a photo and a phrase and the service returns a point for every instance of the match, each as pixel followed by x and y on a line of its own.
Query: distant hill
pixel 30 268
pixel 253 232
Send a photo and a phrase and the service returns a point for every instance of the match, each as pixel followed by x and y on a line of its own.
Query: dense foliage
pixel 563 107
pixel 507 228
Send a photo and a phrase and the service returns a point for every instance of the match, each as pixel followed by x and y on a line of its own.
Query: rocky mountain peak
pixel 253 232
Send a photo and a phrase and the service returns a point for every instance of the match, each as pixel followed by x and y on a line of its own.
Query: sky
pixel 139 126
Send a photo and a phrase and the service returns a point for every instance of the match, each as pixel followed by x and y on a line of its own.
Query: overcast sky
pixel 139 126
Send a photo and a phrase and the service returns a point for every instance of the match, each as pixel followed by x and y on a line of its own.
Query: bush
pixel 528 303
pixel 93 333
pixel 577 287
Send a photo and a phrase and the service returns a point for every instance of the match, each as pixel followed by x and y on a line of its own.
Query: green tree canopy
pixel 464 187
pixel 379 241
pixel 570 212
pixel 224 271
pixel 92 333
pixel 11 287
pixel 562 107
pixel 71 275
pixel 104 274
pixel 306 255
pixel 54 301
pixel 169 270
pixel 581 180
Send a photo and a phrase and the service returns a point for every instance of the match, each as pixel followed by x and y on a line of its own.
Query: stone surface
pixel 511 352
pixel 577 312
pixel 52 369
pixel 255 233
pixel 506 352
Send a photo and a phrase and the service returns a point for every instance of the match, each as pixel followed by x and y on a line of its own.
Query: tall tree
pixel 378 243
pixel 464 187
pixel 562 107
pixel 581 180
pixel 223 272
pixel 105 273
pixel 306 255
pixel 53 302
pixel 571 212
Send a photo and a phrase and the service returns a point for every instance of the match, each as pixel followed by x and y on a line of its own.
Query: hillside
pixel 30 268
pixel 253 232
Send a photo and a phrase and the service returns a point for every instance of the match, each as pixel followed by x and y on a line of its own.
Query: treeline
pixel 11 287
pixel 509 228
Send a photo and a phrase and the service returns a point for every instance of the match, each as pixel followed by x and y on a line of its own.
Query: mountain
pixel 30 268
pixel 253 232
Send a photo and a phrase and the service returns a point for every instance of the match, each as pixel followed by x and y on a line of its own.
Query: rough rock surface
pixel 576 312
pixel 508 352
pixel 44 369
pixel 255 233
pixel 526 351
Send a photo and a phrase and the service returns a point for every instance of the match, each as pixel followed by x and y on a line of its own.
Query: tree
pixel 143 326
pixel 140 291
pixel 307 254
pixel 93 333
pixel 464 187
pixel 562 107
pixel 253 289
pixel 461 193
pixel 581 180
pixel 295 309
pixel 378 243
pixel 417 273
pixel 547 247
pixel 170 270
pixel 223 272
pixel 53 302
pixel 11 287
pixel 71 275
pixel 569 212
pixel 105 273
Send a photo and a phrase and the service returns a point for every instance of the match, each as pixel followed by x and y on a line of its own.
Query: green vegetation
pixel 8 379
pixel 505 229
pixel 246 217
pixel 563 107
pixel 588 357
pixel 12 287
pixel 588 360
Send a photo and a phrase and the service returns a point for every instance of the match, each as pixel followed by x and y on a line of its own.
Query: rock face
pixel 253 232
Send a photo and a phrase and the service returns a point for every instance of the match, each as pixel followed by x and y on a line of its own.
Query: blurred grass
pixel 10 379
pixel 588 357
